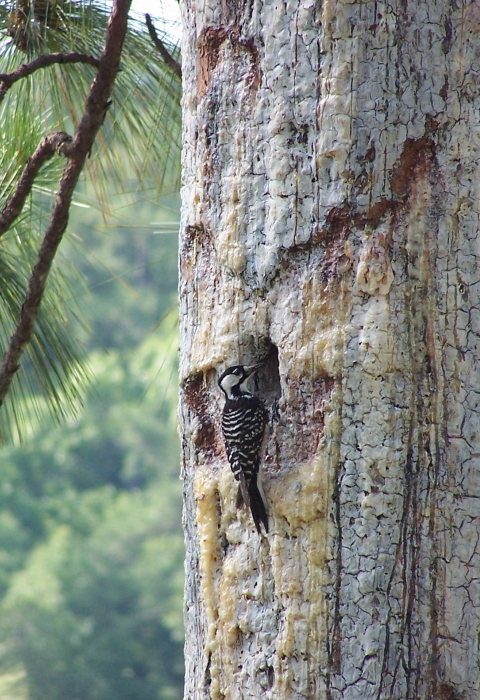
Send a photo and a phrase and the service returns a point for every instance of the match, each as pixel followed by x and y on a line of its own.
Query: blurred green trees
pixel 91 548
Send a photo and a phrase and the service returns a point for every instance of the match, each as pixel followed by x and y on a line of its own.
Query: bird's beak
pixel 253 368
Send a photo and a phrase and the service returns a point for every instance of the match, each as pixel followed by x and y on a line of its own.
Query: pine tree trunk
pixel 330 225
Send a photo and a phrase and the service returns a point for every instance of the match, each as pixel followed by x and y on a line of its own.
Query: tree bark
pixel 330 225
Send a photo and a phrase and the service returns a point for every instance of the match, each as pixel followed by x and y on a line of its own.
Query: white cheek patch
pixel 244 384
pixel 228 382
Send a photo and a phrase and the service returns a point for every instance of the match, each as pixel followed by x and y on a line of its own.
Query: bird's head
pixel 233 382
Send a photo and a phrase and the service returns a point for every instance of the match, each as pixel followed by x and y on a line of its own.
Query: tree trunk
pixel 330 225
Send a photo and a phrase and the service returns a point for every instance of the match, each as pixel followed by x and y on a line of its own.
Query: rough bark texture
pixel 330 223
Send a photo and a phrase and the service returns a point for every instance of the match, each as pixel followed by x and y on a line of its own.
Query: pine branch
pixel 95 107
pixel 56 142
pixel 160 46
pixel 8 79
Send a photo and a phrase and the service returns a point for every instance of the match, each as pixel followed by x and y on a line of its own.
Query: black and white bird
pixel 243 424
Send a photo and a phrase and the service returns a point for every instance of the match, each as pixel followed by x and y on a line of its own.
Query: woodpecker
pixel 243 424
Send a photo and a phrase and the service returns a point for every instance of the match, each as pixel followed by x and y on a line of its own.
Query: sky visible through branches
pixel 166 10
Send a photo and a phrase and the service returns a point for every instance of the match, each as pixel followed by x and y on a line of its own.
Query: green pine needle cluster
pixel 137 148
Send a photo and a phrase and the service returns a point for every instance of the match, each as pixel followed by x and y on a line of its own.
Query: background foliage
pixel 91 548
pixel 91 553
pixel 138 147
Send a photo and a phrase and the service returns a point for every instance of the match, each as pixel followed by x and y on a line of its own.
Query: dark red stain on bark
pixel 416 159
pixel 210 45
pixel 446 692
pixel 196 394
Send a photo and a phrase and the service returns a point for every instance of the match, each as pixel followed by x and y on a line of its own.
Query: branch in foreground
pixel 93 116
pixel 56 142
pixel 8 79
pixel 160 46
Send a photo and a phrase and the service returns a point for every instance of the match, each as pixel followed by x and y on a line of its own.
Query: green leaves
pixel 53 375
pixel 142 131
pixel 95 613
pixel 91 575
pixel 91 548
pixel 138 147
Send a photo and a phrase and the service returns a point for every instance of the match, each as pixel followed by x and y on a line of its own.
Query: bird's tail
pixel 257 506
